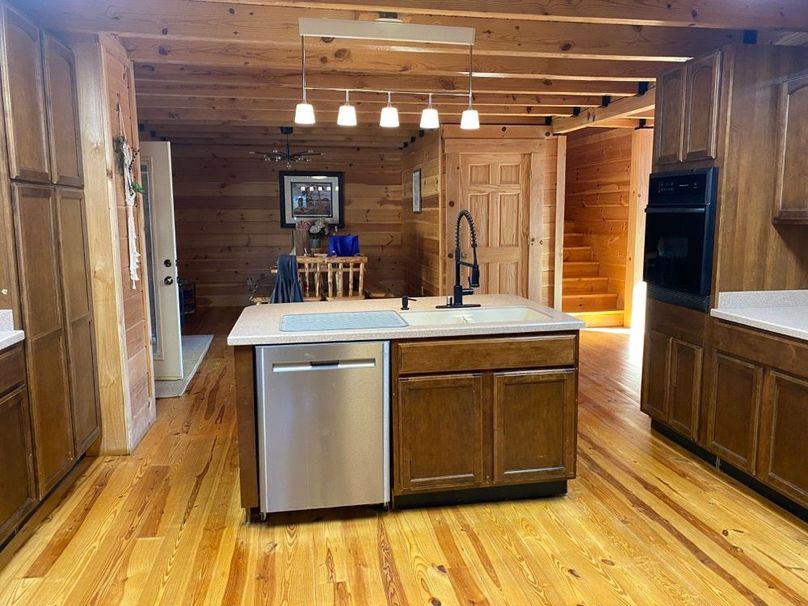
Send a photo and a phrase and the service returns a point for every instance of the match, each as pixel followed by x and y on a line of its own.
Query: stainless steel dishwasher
pixel 323 425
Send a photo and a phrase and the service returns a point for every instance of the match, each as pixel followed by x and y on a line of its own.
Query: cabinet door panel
pixel 783 451
pixel 656 358
pixel 684 390
pixel 60 80
pixel 43 321
pixel 17 486
pixel 440 433
pixel 670 116
pixel 791 185
pixel 701 115
pixel 78 316
pixel 735 411
pixel 534 426
pixel 24 100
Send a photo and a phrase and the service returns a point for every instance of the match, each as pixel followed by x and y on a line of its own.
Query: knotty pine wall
pixel 228 218
pixel 598 186
pixel 421 231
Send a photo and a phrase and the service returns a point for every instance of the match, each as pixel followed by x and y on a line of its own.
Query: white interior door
pixel 161 256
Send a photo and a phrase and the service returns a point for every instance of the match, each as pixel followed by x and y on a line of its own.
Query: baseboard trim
pixel 480 495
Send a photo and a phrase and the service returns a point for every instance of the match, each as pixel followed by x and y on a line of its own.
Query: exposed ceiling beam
pixel 286 118
pixel 699 13
pixel 615 110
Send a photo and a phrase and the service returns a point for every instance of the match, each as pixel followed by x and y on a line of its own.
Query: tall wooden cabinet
pixel 57 416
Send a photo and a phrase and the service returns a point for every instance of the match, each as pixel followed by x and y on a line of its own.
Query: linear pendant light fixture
pixel 386 30
pixel 304 112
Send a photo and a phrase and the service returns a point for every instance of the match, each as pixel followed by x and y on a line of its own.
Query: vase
pixel 314 245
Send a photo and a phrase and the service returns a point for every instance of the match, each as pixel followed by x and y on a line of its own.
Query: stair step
pixel 575 286
pixel 581 269
pixel 578 253
pixel 573 239
pixel 602 319
pixel 589 302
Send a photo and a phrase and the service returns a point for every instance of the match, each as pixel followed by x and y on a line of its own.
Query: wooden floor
pixel 644 523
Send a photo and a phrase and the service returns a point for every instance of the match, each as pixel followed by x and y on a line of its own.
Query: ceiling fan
pixel 286 155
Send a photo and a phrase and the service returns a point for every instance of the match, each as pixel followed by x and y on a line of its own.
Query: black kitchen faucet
pixel 474 278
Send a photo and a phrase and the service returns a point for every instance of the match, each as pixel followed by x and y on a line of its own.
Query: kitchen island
pixel 482 401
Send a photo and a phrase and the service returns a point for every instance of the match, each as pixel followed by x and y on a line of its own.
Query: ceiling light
pixel 389 117
pixel 304 112
pixel 347 113
pixel 429 116
pixel 470 120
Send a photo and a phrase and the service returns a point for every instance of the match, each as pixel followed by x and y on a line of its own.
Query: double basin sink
pixel 392 319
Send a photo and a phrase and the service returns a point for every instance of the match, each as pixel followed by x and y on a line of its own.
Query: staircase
pixel 586 293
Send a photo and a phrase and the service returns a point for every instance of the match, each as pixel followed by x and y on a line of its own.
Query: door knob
pixel 168 281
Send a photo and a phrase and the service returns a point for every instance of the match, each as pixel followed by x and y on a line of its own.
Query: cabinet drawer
pixel 12 369
pixel 501 353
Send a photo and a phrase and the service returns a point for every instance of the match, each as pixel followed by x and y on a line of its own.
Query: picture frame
pixel 312 195
pixel 416 190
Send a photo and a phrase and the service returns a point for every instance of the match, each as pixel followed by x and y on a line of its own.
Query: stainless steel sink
pixel 476 315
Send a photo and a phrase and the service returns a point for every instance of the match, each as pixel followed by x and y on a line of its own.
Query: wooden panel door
pixel 17 484
pixel 63 116
pixel 535 421
pixel 439 438
pixel 43 321
pixel 23 99
pixel 684 387
pixel 791 185
pixel 703 77
pixel 670 115
pixel 655 373
pixel 78 311
pixel 734 410
pixel 783 448
pixel 495 189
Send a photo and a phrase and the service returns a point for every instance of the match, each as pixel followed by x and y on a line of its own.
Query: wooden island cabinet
pixel 474 416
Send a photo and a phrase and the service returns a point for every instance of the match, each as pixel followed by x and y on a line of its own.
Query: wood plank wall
pixel 598 187
pixel 548 256
pixel 123 115
pixel 422 231
pixel 228 218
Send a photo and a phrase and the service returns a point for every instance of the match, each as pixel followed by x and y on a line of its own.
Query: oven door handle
pixel 679 210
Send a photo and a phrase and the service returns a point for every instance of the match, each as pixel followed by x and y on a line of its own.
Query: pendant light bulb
pixel 429 116
pixel 470 120
pixel 347 113
pixel 304 111
pixel 389 116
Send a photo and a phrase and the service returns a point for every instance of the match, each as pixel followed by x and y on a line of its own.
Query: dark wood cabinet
pixel 534 418
pixel 684 387
pixel 439 425
pixel 703 76
pixel 62 104
pixel 45 335
pixel 78 316
pixel 670 108
pixel 493 424
pixel 791 161
pixel 656 360
pixel 783 447
pixel 24 99
pixel 734 410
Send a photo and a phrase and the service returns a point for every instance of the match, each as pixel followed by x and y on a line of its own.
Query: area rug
pixel 194 348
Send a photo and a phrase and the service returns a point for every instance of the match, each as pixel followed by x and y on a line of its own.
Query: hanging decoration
pixel 126 164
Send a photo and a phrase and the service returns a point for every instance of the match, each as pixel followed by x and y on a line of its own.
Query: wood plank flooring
pixel 644 523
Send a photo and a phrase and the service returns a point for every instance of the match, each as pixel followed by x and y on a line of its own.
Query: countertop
pixel 260 324
pixel 783 312
pixel 8 336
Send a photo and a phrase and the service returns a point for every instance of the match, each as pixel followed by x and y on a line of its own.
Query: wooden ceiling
pixel 230 69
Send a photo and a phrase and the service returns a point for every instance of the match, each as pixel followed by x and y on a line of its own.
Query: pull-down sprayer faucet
pixel 474 278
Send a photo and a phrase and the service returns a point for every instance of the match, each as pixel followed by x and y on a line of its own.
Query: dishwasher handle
pixel 317 365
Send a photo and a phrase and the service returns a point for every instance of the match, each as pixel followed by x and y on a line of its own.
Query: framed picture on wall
pixel 416 190
pixel 308 196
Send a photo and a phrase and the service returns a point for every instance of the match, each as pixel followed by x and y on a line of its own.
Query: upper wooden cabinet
pixel 62 103
pixel 791 159
pixel 687 101
pixel 24 99
pixel 670 114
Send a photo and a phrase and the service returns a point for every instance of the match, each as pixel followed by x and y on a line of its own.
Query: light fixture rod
pixel 471 63
pixel 303 64
pixel 376 30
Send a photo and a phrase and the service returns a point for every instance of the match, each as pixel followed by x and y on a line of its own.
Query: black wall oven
pixel 679 234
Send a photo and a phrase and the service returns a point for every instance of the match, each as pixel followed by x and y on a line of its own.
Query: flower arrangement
pixel 318 229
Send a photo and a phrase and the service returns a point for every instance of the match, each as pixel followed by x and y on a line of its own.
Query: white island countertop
pixel 8 336
pixel 261 324
pixel 784 312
